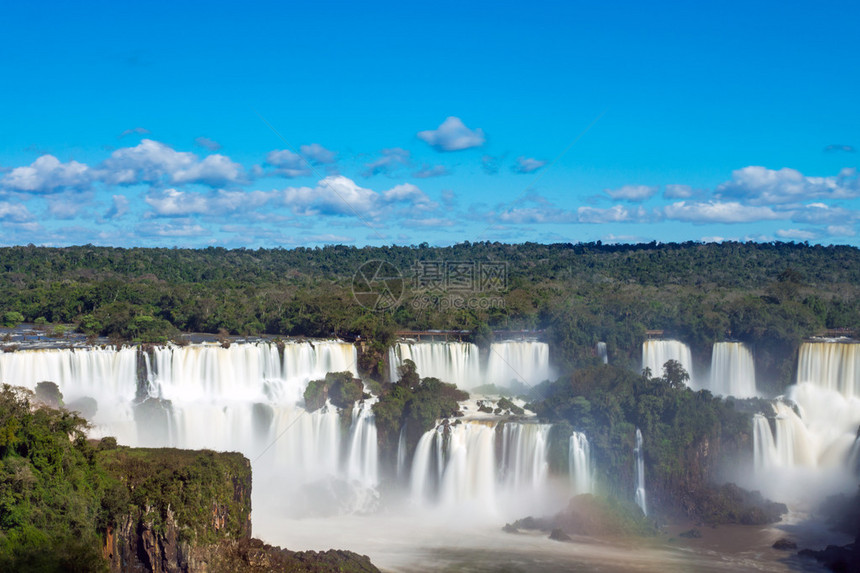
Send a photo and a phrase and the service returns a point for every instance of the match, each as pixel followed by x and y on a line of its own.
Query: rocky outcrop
pixel 180 511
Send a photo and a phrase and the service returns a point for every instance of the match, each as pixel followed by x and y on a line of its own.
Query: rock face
pixel 189 512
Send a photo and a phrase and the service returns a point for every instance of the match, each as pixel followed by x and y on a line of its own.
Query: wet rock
pixel 691 534
pixel 559 535
pixel 508 528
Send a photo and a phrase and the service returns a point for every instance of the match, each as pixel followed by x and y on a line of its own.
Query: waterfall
pixel 454 362
pixel 521 362
pixel 835 366
pixel 640 474
pixel 655 353
pixel 579 464
pixel 732 370
pixel 363 462
pixel 601 352
pixel 401 453
pixel 524 455
pixel 809 448
pixel 108 375
pixel 457 465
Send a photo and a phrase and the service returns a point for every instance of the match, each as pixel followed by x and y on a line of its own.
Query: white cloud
pixel 761 186
pixel 152 161
pixel 431 171
pixel 391 160
pixel 678 192
pixel 527 165
pixel 287 163
pixel 214 170
pixel 317 154
pixel 632 193
pixel 47 175
pixel 614 214
pixel 820 213
pixel 452 135
pixel 339 195
pixel 176 203
pixel 119 207
pixel 841 231
pixel 14 212
pixel 718 212
pixel 796 234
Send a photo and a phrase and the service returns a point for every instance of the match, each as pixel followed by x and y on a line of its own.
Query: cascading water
pixel 601 352
pixel 732 370
pixel 108 375
pixel 655 353
pixel 640 474
pixel 579 464
pixel 457 465
pixel 454 362
pixel 521 362
pixel 363 461
pixel 809 448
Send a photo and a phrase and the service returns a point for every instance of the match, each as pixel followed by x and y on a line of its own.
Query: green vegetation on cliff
pixel 413 403
pixel 686 435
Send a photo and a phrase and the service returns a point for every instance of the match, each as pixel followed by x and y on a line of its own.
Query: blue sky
pixel 285 124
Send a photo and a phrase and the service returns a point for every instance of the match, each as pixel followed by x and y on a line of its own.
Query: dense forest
pixel 770 295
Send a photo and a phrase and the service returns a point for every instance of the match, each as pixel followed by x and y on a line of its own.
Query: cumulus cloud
pixel 525 165
pixel 678 192
pixel 821 213
pixel 391 160
pixel 207 143
pixel 339 195
pixel 427 171
pixel 176 203
pixel 214 170
pixel 317 154
pixel 14 212
pixel 287 163
pixel 172 229
pixel 152 161
pixel 761 186
pixel 796 234
pixel 452 135
pixel 47 174
pixel 841 231
pixel 718 212
pixel 119 207
pixel 632 193
pixel 614 214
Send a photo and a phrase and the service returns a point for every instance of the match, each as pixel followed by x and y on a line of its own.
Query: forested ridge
pixel 768 294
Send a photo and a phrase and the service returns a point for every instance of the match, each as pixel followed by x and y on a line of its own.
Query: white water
pixel 732 370
pixel 520 362
pixel 579 464
pixel 655 353
pixel 455 467
pixel 601 352
pixel 640 474
pixel 454 362
pixel 807 454
pixel 109 375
